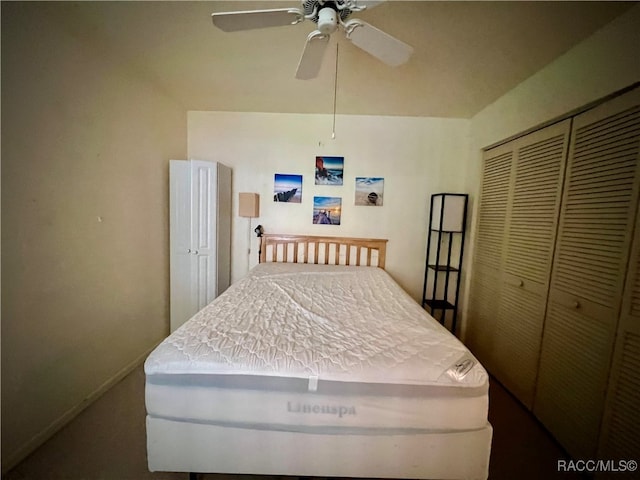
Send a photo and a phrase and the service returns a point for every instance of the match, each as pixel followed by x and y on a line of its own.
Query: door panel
pixel 536 190
pixel 621 423
pixel 180 242
pixel 484 291
pixel 204 220
pixel 492 212
pixel 590 263
pixel 573 376
pixel 483 307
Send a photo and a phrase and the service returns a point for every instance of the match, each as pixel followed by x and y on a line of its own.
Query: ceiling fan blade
pixel 374 41
pixel 312 55
pixel 251 19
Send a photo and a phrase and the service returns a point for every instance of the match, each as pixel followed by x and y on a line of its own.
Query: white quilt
pixel 326 322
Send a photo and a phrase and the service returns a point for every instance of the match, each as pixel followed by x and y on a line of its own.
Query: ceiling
pixel 467 54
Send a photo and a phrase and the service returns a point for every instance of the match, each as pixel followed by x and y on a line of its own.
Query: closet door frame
pixel 582 321
pixel 618 433
pixel 582 350
pixel 194 216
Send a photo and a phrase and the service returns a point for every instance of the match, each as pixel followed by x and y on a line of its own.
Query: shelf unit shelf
pixel 445 248
pixel 443 268
pixel 439 304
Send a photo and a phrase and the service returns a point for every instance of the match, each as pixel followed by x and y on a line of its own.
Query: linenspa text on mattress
pixel 339 410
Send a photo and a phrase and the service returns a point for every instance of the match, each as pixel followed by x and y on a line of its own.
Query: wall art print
pixel 327 210
pixel 287 188
pixel 369 191
pixel 329 170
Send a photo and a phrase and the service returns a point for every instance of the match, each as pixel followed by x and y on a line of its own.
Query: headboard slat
pixel 271 243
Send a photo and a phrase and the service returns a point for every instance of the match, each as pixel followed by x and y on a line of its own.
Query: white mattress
pixel 317 349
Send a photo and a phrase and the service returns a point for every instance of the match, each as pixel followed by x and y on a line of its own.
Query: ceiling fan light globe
pixel 327 21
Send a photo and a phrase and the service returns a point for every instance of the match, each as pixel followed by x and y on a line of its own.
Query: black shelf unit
pixel 445 249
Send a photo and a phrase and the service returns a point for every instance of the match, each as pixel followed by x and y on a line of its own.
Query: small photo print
pixel 327 210
pixel 329 170
pixel 369 191
pixel 287 188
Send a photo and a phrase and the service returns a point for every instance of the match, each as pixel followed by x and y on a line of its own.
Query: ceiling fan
pixel 329 15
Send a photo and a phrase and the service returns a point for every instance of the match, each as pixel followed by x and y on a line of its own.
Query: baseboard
pixel 39 439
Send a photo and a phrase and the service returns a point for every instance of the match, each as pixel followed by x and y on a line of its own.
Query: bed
pixel 317 364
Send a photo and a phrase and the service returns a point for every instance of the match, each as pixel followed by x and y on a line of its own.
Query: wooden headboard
pixel 325 250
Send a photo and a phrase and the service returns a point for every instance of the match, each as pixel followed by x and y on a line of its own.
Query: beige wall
pixel 604 63
pixel 416 157
pixel 85 149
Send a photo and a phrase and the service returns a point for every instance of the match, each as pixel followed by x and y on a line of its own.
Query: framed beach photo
pixel 369 191
pixel 327 210
pixel 287 188
pixel 329 170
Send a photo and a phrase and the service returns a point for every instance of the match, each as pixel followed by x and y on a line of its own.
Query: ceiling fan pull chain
pixel 335 94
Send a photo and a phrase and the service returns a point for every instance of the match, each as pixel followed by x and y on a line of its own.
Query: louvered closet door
pixel 620 437
pixel 539 160
pixel 488 255
pixel 599 205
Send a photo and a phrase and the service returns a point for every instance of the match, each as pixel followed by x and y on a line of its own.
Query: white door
pixel 193 220
pixel 180 242
pixel 203 238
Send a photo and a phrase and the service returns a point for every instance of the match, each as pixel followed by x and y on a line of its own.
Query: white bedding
pixel 325 322
pixel 300 346
pixel 327 371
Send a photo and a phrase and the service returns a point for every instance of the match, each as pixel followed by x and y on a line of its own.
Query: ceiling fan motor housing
pixel 327 21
